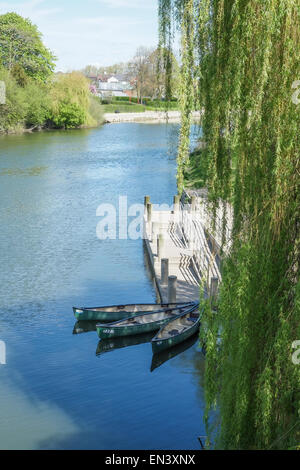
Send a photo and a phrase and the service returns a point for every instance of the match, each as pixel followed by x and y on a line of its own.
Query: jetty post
pixel 160 245
pixel 176 203
pixel 164 271
pixel 146 201
pixel 193 203
pixel 172 289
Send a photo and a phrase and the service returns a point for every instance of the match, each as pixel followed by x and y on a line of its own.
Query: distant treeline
pixel 35 97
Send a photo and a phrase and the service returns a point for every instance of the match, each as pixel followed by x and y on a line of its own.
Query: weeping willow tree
pixel 240 60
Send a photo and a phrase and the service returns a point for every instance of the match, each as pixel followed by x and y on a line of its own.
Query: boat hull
pixel 110 331
pixel 163 344
pixel 86 314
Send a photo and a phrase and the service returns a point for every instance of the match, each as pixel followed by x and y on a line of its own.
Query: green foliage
pixel 72 104
pixel 19 75
pixel 38 104
pixel 246 58
pixel 13 112
pixel 68 115
pixel 21 44
pixel 123 108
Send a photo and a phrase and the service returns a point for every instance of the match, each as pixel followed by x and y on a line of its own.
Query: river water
pixel 61 390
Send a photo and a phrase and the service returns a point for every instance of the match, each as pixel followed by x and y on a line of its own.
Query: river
pixel 56 392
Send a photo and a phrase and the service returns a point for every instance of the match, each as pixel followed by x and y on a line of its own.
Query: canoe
pixel 176 331
pixel 106 345
pixel 120 312
pixel 161 357
pixel 141 323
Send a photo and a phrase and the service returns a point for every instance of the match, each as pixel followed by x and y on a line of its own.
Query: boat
pixel 143 323
pixel 160 358
pixel 176 331
pixel 106 345
pixel 120 312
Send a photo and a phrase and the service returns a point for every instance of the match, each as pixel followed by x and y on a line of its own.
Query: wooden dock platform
pixel 177 246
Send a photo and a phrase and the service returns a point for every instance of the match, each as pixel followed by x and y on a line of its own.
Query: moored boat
pixel 141 323
pixel 120 312
pixel 176 331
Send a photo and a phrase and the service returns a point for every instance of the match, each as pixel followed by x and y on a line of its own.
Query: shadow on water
pixel 84 327
pixel 159 359
pixel 107 345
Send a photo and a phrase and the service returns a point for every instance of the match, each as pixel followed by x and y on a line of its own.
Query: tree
pixel 149 75
pixel 72 103
pixel 158 73
pixel 245 56
pixel 140 68
pixel 21 44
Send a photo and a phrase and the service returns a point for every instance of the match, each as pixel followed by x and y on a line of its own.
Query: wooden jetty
pixel 183 249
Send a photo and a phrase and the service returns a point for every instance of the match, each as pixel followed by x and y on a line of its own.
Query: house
pixel 114 85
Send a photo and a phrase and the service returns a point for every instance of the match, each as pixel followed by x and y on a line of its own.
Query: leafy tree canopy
pixel 21 43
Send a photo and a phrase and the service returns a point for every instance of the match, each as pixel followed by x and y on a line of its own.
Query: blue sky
pixel 82 32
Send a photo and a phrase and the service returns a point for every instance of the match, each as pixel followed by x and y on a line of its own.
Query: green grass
pixel 123 108
pixel 128 107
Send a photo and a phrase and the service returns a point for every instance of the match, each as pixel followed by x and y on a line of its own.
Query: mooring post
pixel 149 212
pixel 160 245
pixel 146 201
pixel 172 289
pixel 164 271
pixel 214 289
pixel 193 203
pixel 176 204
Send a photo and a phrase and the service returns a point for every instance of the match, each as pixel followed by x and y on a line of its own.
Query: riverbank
pixel 147 116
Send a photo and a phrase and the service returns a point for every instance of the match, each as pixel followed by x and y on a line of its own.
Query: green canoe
pixel 120 312
pixel 176 331
pixel 141 323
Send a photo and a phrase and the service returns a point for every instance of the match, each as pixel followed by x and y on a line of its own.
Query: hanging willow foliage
pixel 242 57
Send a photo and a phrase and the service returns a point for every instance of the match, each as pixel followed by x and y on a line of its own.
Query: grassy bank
pixel 126 105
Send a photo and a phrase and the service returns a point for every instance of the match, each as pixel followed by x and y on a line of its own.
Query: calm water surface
pixel 56 392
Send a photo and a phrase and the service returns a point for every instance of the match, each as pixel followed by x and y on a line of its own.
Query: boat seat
pixel 173 332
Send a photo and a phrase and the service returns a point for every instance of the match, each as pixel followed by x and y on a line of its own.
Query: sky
pixel 84 32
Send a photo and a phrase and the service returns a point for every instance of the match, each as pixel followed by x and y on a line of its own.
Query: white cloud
pixel 30 9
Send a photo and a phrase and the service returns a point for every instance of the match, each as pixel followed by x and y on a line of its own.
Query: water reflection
pixel 107 345
pixel 160 358
pixel 84 327
pixel 28 423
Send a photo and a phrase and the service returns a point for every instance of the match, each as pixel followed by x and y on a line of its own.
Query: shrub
pixel 68 115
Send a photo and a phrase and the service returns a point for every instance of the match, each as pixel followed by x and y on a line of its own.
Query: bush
pixel 68 115
pixel 38 105
pixel 72 104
